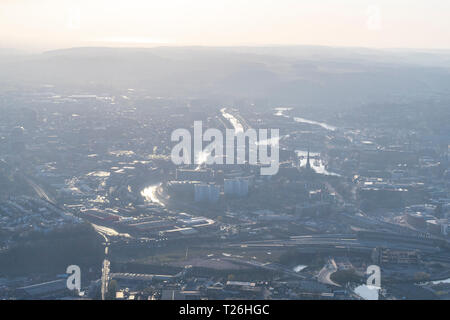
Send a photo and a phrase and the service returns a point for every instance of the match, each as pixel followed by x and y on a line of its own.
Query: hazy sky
pixel 50 24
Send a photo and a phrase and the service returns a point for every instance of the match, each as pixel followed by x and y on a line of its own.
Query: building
pixel 383 256
pixel 438 227
pixel 236 187
pixel 204 175
pixel 180 295
pixel 44 290
pixel 206 193
pixel 416 220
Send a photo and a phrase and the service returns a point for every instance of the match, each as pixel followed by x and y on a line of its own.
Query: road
pixel 326 272
pixel 105 265
pixel 40 192
pixel 266 266
pixel 105 277
pixel 342 242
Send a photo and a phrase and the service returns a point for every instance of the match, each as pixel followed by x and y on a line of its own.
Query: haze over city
pixel 224 150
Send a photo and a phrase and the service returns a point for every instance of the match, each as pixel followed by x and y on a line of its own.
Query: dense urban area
pixel 86 179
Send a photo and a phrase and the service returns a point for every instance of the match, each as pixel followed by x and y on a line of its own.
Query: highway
pixel 105 278
pixel 105 265
pixel 342 242
pixel 326 272
pixel 266 266
pixel 40 192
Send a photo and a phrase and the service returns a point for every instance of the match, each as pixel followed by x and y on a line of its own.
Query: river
pixel 280 112
pixel 441 281
pixel 299 268
pixel 321 124
pixel 151 194
pixel 317 164
pixel 238 127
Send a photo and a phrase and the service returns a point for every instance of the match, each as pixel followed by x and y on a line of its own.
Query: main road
pixel 344 242
pixel 105 265
pixel 105 277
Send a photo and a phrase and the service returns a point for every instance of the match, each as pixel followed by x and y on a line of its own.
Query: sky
pixel 52 24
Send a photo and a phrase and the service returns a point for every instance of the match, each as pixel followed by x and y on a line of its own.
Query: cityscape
pixel 360 179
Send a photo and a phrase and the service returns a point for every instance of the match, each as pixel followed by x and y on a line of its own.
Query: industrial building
pixel 384 256
pixel 204 175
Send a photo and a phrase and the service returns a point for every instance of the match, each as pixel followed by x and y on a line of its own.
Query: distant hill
pixel 309 74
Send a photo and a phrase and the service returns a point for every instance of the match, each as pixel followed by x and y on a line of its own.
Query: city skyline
pixel 224 150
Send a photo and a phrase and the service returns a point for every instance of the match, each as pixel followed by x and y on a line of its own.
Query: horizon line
pixel 165 45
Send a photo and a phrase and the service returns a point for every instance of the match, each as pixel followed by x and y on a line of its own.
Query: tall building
pixel 206 193
pixel 308 161
pixel 237 187
pixel 385 256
